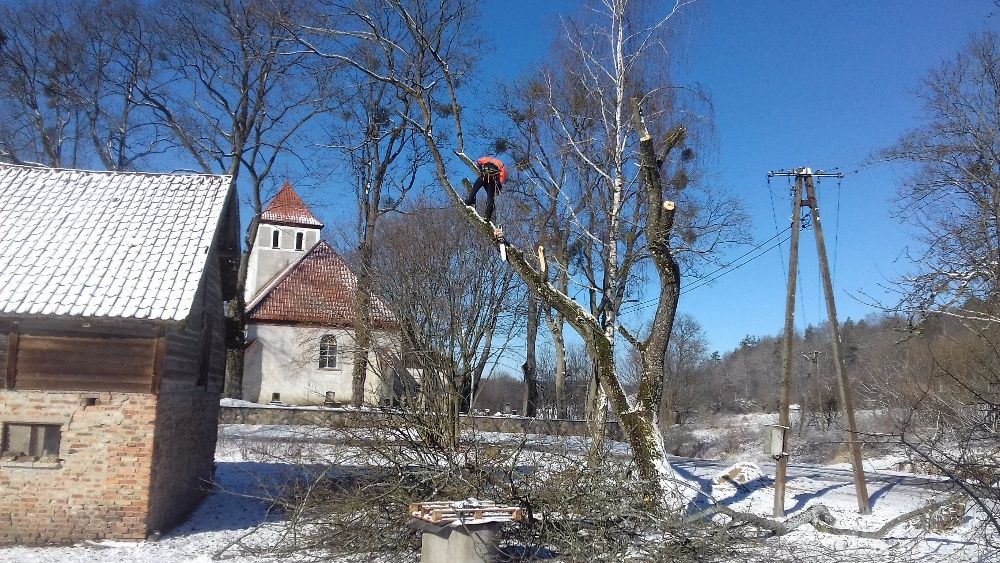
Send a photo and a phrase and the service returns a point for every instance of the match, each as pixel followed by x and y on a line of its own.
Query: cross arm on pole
pixel 804 171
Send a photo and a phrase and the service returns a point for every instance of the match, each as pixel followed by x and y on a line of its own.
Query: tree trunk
pixel 235 338
pixel 476 378
pixel 529 368
pixel 363 319
pixel 464 388
pixel 236 317
pixel 597 419
pixel 639 425
pixel 555 323
pixel 456 400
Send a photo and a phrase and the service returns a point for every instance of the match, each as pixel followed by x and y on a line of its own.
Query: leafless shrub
pixel 589 514
pixel 682 442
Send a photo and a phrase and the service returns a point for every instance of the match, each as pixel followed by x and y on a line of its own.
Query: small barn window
pixel 328 352
pixel 298 241
pixel 275 238
pixel 30 442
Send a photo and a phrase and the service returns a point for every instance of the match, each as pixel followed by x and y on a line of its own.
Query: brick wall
pixel 100 486
pixel 130 464
pixel 184 450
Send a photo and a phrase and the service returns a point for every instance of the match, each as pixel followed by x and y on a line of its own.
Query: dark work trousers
pixel 492 189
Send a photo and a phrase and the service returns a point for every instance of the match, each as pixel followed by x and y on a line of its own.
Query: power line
pixel 706 281
pixel 774 217
pixel 722 271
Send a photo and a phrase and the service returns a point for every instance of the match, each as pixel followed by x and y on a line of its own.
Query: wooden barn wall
pixel 65 355
pixel 60 363
pixel 4 330
pixel 185 347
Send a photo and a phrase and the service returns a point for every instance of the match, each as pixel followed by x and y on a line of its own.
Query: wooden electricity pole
pixel 781 468
pixel 860 487
pixel 805 177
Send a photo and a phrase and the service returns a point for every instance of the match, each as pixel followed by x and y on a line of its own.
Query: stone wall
pixel 316 416
pixel 99 487
pixel 183 455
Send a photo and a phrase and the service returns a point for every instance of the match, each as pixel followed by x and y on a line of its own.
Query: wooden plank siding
pixel 3 359
pixel 10 357
pixel 59 363
pixel 185 356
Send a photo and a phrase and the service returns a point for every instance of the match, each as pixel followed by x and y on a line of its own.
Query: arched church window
pixel 275 238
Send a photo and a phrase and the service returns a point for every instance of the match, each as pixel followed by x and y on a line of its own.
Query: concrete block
pixel 457 543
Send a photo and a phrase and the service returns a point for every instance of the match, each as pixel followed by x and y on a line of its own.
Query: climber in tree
pixel 492 175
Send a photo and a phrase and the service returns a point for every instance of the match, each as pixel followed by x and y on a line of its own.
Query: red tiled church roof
pixel 287 209
pixel 318 289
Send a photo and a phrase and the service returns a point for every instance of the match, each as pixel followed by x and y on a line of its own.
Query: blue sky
pixel 793 83
pixel 820 84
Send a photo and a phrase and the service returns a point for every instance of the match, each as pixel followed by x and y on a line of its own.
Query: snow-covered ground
pixel 235 522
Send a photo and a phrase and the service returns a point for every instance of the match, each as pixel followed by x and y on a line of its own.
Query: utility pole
pixel 806 177
pixel 860 487
pixel 781 467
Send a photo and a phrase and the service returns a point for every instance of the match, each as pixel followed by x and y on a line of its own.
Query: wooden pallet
pixel 444 512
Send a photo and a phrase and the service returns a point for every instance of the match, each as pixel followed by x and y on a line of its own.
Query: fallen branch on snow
pixel 819 516
pixel 817 513
pixel 888 527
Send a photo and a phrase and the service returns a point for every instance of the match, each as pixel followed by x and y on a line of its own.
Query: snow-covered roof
pixel 287 209
pixel 105 244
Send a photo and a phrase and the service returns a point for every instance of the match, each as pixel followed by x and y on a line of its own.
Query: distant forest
pixel 891 362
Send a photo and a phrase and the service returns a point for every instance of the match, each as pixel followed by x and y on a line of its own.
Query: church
pixel 300 315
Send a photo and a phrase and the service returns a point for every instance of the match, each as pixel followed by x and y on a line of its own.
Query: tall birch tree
pixel 435 76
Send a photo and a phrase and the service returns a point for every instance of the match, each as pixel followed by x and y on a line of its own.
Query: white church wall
pixel 288 364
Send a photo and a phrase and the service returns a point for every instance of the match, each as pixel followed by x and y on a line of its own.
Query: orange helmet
pixel 491 168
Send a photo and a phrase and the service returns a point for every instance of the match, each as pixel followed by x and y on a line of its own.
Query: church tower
pixel 286 231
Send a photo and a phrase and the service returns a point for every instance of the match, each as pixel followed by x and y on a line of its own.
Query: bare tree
pixel 234 97
pixel 553 187
pixel 685 354
pixel 432 39
pixel 953 197
pixel 455 303
pixel 69 74
pixel 370 135
pixel 529 368
pixel 38 120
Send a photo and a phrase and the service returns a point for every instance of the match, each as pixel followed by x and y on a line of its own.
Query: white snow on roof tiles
pixel 105 244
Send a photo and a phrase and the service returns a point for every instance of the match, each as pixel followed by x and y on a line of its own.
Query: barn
pixel 111 348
